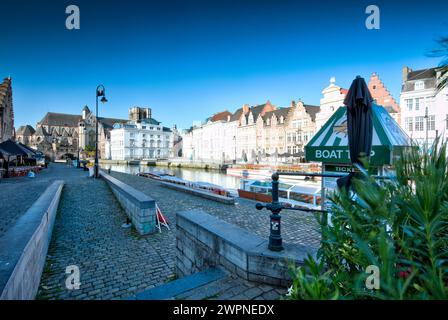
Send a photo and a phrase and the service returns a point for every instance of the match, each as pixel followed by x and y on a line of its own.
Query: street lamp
pixel 100 92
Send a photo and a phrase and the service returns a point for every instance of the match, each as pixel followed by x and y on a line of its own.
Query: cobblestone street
pixel 18 194
pixel 116 263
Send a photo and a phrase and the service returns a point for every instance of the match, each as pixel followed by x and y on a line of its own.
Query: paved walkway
pixel 18 194
pixel 113 262
pixel 117 263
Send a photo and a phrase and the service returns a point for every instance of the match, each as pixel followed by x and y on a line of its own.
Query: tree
pixel 442 51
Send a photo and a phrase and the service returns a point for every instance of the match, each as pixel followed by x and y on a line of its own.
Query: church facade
pixel 61 135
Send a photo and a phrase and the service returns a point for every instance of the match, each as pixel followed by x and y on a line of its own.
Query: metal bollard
pixel 275 236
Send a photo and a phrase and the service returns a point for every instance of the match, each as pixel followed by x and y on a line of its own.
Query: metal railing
pixel 275 238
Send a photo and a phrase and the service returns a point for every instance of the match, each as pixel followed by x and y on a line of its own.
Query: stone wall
pixel 140 208
pixel 23 248
pixel 203 241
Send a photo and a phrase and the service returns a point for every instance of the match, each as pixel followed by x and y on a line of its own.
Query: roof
pixel 220 116
pixel 165 129
pixel 108 123
pixel 60 119
pixel 312 110
pixel 41 132
pixel 422 74
pixel 330 143
pixel 236 116
pixel 151 121
pixel 278 113
pixel 25 130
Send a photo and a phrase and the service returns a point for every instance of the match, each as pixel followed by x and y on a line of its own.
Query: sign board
pixel 330 183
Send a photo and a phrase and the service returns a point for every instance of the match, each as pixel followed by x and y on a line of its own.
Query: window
pixel 408 124
pixel 419 85
pixel 419 123
pixel 409 104
pixel 432 123
pixel 418 103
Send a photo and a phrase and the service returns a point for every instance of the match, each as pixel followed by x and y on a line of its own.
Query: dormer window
pixel 268 121
pixel 419 85
pixel 282 119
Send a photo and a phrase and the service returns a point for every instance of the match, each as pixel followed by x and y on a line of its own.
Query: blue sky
pixel 189 59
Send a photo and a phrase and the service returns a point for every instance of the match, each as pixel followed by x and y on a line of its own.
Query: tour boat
pixel 165 177
pixel 295 194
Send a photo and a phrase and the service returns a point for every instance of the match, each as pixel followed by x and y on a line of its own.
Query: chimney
pixel 245 108
pixel 405 72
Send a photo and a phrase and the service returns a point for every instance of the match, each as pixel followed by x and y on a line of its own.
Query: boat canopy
pixel 330 143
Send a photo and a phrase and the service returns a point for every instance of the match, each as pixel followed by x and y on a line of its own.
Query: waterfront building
pixel 424 109
pixel 383 97
pixel 333 98
pixel 211 141
pixel 140 138
pixel 251 134
pixel 6 111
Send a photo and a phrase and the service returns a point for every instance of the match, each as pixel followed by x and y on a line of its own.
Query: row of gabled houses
pixel 267 132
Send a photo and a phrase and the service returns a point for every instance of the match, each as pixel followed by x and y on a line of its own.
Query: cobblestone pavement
pixel 297 226
pixel 18 194
pixel 113 262
pixel 117 263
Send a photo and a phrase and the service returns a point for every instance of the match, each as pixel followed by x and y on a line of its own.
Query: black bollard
pixel 275 236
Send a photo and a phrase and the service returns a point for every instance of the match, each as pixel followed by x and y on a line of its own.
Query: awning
pixel 330 143
pixel 10 148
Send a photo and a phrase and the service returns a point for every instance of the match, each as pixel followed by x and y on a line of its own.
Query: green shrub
pixel 400 226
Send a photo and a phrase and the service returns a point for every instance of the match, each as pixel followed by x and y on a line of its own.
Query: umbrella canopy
pixel 330 143
pixel 10 148
pixel 30 152
pixel 359 120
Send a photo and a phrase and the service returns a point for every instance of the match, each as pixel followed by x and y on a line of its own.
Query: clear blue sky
pixel 189 59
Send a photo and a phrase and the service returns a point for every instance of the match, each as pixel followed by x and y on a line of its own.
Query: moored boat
pixel 297 194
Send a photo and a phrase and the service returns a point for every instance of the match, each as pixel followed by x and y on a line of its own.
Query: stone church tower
pixel 137 113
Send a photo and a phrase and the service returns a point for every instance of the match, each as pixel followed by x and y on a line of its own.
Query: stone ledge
pixel 138 197
pixel 199 193
pixel 206 241
pixel 139 207
pixel 23 248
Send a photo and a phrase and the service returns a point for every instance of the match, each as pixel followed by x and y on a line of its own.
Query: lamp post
pixel 100 92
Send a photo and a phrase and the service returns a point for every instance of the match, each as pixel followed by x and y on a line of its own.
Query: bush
pixel 400 226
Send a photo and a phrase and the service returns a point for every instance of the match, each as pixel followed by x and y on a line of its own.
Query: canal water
pixel 212 176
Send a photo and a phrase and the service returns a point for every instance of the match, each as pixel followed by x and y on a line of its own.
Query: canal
pixel 212 176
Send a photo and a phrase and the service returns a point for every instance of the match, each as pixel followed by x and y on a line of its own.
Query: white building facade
pixel 139 140
pixel 424 110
